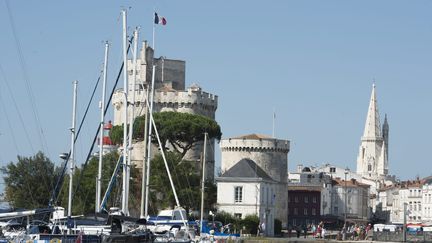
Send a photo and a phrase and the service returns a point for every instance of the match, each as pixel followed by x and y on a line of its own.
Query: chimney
pixel 299 168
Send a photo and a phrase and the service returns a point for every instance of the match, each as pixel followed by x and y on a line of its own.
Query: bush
pixel 225 218
pixel 250 223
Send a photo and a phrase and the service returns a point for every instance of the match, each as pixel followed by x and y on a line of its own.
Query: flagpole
pixel 274 118
pixel 150 129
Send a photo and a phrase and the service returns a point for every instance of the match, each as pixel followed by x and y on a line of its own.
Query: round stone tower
pixel 270 154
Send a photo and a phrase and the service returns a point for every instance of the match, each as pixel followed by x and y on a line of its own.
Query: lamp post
pixel 345 211
pixel 404 221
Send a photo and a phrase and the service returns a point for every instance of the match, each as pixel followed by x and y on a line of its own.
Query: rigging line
pixel 56 191
pixel 40 132
pixel 17 109
pixel 98 127
pixel 9 125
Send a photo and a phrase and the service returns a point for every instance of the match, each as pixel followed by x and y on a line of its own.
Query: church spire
pixel 372 127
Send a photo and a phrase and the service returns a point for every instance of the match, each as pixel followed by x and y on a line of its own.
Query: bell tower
pixel 373 152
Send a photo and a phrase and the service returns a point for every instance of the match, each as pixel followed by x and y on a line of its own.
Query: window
pixel 314 199
pixel 306 199
pixel 238 194
pixel 305 211
pixel 369 167
pixel 332 170
pixel 289 199
pixel 295 211
pixel 238 215
pixel 313 211
pixel 296 199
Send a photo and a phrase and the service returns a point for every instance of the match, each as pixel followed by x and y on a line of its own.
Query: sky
pixel 312 62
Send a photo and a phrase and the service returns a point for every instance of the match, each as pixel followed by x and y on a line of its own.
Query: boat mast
pixel 72 156
pixel 150 129
pixel 101 131
pixel 146 125
pixel 125 112
pixel 203 182
pixel 132 111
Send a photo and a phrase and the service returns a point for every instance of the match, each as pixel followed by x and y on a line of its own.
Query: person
pixel 259 229
pixel 289 231
pixel 263 228
pixel 313 228
pixel 323 232
pixel 344 231
pixel 298 230
pixel 305 230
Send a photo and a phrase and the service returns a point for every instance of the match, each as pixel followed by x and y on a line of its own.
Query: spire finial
pixel 373 82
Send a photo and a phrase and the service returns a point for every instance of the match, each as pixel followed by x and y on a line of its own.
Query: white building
pixel 427 200
pixel 269 154
pixel 350 197
pixel 372 159
pixel 246 189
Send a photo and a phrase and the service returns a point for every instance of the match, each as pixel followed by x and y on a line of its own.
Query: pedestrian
pixel 313 230
pixel 323 233
pixel 344 231
pixel 298 230
pixel 305 230
pixel 263 228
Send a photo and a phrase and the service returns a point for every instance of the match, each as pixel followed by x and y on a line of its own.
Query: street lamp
pixel 345 211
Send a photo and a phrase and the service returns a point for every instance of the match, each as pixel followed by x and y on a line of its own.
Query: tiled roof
pixel 246 168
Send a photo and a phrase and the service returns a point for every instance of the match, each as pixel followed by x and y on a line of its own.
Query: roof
pixel 350 183
pixel 253 136
pixel 246 168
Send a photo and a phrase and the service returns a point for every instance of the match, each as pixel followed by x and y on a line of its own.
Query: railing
pixel 398 236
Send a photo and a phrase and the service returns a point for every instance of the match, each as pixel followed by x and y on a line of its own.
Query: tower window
pixel 369 167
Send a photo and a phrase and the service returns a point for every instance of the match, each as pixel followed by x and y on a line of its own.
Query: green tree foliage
pixel 187 183
pixel 116 134
pixel 226 218
pixel 29 182
pixel 84 200
pixel 250 224
pixel 181 130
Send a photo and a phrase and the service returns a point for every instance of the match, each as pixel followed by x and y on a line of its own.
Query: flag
pixel 159 20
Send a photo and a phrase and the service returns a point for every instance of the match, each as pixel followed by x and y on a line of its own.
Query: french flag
pixel 159 20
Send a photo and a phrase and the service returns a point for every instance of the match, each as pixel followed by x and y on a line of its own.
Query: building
pixel 269 154
pixel 308 194
pixel 246 189
pixel 372 159
pixel 337 197
pixel 170 95
pixel 350 200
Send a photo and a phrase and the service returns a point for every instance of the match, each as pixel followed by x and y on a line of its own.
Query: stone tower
pixel 170 95
pixel 372 160
pixel 270 154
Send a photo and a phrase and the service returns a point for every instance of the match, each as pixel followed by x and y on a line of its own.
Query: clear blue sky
pixel 312 61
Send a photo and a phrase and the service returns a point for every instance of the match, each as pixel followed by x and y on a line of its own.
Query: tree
pixel 184 130
pixel 180 130
pixel 186 181
pixel 84 200
pixel 29 182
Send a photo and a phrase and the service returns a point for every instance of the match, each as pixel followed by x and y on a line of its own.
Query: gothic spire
pixel 373 127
